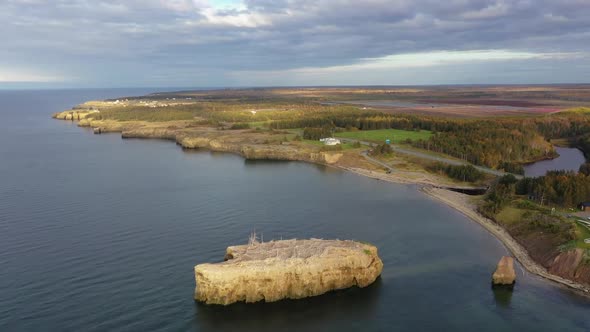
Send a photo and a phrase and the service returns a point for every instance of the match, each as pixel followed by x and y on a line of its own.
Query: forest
pixel 501 143
pixel 557 188
pixel 465 173
pixel 563 189
pixel 316 133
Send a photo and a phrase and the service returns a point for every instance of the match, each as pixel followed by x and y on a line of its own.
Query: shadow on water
pixel 255 162
pixel 259 162
pixel 350 304
pixel 502 296
pixel 320 167
pixel 191 150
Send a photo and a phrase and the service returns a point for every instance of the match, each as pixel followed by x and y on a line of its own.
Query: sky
pixel 232 43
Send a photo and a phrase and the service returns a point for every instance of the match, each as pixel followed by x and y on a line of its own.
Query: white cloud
pixel 393 64
pixel 436 58
pixel 242 19
pixel 495 10
pixel 11 75
pixel 277 38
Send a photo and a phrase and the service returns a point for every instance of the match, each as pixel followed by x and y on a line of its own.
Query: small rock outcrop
pixel 286 269
pixel 504 274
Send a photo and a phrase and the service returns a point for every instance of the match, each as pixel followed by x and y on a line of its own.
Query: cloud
pixel 20 76
pixel 436 58
pixel 389 69
pixel 235 18
pixel 156 40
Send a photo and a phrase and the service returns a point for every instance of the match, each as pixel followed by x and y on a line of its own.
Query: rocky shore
pixel 247 143
pixel 254 145
pixel 461 203
pixel 286 269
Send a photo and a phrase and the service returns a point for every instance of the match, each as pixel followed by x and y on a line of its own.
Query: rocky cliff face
pixel 570 264
pixel 73 115
pixel 248 145
pixel 284 269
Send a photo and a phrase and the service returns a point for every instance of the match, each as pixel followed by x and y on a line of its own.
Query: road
pixel 423 155
pixel 376 161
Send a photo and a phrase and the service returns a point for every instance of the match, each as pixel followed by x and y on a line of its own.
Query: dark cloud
pixel 191 39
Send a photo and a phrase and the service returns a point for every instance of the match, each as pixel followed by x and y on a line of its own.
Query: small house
pixel 584 206
pixel 330 141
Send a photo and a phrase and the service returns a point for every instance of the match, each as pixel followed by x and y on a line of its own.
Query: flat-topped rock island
pixel 286 269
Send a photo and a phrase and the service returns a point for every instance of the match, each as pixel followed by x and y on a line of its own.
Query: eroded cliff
pixel 286 269
pixel 247 143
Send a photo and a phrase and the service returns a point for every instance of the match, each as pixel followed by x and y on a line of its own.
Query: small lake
pixel 101 234
pixel 412 104
pixel 569 159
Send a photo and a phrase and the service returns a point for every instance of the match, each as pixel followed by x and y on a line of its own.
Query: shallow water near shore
pixel 101 234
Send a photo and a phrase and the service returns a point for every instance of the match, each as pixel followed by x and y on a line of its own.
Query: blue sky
pixel 200 43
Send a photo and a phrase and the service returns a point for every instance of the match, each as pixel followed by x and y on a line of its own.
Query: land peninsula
pixel 448 140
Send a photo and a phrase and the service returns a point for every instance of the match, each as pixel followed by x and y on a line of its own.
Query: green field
pixel 395 135
pixel 582 232
pixel 510 215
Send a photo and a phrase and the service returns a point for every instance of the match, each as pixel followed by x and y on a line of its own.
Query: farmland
pixel 379 136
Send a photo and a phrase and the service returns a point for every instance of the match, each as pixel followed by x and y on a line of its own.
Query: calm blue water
pixel 101 234
pixel 569 159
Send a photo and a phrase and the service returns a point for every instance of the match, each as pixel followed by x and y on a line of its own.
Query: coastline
pixel 459 202
pixel 427 185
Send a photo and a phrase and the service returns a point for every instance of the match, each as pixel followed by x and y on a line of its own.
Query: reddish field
pixel 458 101
pixel 466 111
pixel 491 102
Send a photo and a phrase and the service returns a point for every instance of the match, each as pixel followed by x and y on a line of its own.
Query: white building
pixel 330 141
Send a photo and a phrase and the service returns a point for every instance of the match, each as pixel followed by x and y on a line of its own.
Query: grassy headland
pixel 431 145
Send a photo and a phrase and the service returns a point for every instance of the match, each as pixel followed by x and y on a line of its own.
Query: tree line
pixel 500 143
pixel 465 173
pixel 564 189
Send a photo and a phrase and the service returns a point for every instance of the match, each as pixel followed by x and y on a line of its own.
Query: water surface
pixel 569 159
pixel 101 234
pixel 417 104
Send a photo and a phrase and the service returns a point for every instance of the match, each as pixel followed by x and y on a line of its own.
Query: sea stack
pixel 286 269
pixel 504 274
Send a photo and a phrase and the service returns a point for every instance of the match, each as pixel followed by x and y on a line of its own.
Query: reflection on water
pixel 190 150
pixel 569 159
pixel 503 296
pixel 99 234
pixel 254 162
pixel 350 304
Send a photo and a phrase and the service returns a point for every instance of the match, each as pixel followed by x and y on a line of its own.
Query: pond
pixel 569 159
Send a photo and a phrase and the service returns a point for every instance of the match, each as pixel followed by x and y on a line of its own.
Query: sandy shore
pixel 394 177
pixel 461 203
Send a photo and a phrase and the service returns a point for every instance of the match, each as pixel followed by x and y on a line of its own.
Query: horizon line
pixel 240 87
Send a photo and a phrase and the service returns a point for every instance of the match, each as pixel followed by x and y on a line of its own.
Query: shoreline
pixel 457 202
pixel 431 188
